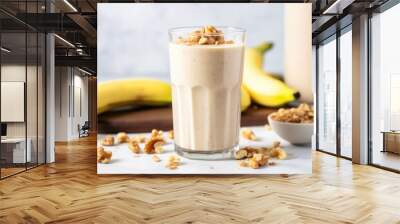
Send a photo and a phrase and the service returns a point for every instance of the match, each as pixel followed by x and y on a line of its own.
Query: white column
pixel 360 90
pixel 50 99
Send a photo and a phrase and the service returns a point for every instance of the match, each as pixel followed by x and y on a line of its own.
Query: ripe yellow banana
pixel 245 100
pixel 263 88
pixel 122 93
pixel 147 92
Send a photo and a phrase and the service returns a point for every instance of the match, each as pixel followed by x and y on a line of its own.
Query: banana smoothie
pixel 206 74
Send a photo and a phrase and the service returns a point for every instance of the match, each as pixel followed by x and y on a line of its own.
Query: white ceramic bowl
pixel 295 133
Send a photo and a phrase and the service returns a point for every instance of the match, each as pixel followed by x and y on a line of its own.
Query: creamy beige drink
pixel 206 82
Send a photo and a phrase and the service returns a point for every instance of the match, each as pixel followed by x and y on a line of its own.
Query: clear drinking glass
pixel 206 83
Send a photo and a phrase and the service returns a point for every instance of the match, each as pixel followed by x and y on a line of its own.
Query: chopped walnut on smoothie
pixel 207 35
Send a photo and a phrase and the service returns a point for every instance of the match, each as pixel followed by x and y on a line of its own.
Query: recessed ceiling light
pixel 5 50
pixel 64 40
pixel 84 71
pixel 70 5
pixel 337 7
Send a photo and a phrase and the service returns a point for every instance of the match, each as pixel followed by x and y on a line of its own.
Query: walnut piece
pixel 258 160
pixel 253 164
pixel 248 134
pixel 304 113
pixel 103 156
pixel 156 133
pixel 122 137
pixel 155 158
pixel 158 147
pixel 138 138
pixel 152 143
pixel 171 134
pixel 278 153
pixel 248 152
pixel 241 154
pixel 173 162
pixel 243 163
pixel 108 140
pixel 134 147
pixel 207 35
pixel 256 157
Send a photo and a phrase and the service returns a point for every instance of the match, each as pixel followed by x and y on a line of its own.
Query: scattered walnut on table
pixel 243 163
pixel 152 143
pixel 261 159
pixel 134 147
pixel 156 133
pixel 138 138
pixel 253 164
pixel 173 162
pixel 108 141
pixel 103 156
pixel 122 137
pixel 256 157
pixel 158 147
pixel 248 134
pixel 156 158
pixel 248 152
pixel 241 154
pixel 278 153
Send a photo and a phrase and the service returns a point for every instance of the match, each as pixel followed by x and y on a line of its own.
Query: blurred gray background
pixel 133 38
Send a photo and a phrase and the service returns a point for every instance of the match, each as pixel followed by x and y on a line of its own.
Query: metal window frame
pixel 341 29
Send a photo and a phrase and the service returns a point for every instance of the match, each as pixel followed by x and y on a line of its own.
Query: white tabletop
pixel 125 162
pixel 12 140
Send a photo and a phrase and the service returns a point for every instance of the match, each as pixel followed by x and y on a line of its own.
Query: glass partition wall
pixel 22 107
pixel 385 89
pixel 327 95
pixel 334 94
pixel 345 92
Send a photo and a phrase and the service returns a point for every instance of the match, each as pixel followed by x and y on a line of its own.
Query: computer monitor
pixel 3 129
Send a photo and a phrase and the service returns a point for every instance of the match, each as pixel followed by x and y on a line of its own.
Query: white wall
pixel 70 83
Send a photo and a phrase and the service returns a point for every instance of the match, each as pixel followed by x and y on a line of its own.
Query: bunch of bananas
pixel 258 86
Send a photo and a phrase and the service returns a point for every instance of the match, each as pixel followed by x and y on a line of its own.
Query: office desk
pixel 16 147
pixel 391 141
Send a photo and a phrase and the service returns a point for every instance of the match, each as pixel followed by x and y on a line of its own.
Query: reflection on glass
pixel 14 150
pixel 31 97
pixel 385 83
pixel 327 97
pixel 346 94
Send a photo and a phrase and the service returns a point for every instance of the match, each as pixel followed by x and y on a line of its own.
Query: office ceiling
pixel 76 20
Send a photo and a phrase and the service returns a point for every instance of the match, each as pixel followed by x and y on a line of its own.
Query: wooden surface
pixel 70 191
pixel 145 119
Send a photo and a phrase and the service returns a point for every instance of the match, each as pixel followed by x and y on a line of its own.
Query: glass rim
pixel 227 29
